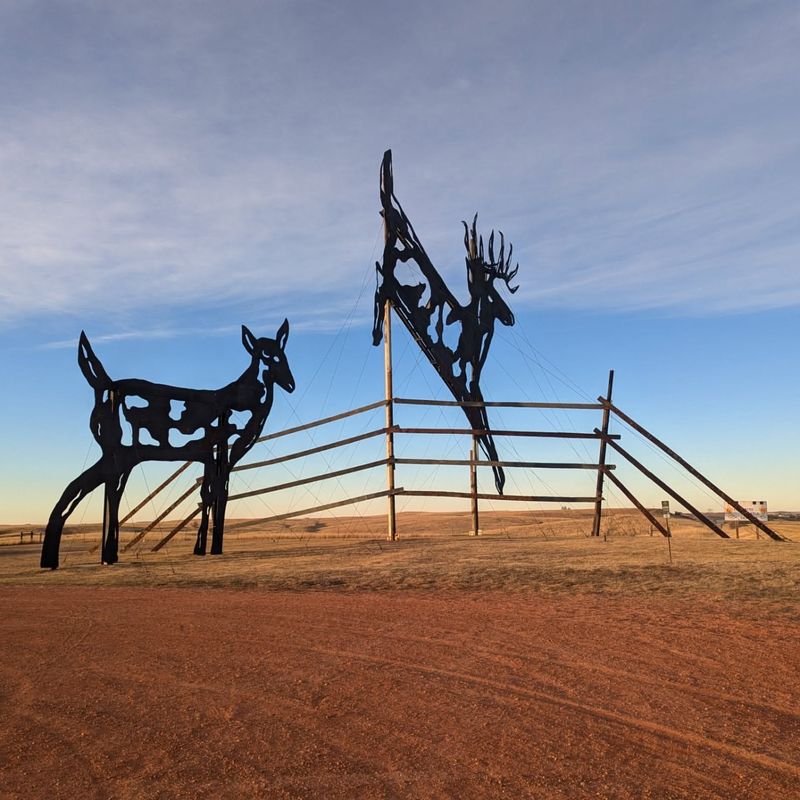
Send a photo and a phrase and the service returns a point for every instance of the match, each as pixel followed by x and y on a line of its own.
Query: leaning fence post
pixel 598 502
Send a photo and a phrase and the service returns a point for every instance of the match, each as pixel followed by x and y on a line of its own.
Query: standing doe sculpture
pixel 170 423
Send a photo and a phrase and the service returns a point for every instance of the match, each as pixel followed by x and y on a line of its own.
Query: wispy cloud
pixel 158 157
pixel 331 317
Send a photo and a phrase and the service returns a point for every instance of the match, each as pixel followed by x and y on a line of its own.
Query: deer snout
pixel 286 382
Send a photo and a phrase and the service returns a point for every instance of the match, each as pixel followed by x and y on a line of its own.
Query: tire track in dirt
pixel 24 690
pixel 302 716
pixel 658 729
pixel 504 651
pixel 45 726
pixel 561 690
pixel 214 693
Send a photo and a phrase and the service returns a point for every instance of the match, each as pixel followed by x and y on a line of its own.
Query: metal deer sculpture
pixel 201 419
pixel 461 368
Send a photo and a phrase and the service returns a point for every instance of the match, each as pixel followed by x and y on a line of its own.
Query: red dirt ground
pixel 162 693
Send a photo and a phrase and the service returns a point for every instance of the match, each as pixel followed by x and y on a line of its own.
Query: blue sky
pixel 173 169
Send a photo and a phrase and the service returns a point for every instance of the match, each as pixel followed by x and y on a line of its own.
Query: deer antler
pixel 471 239
pixel 500 268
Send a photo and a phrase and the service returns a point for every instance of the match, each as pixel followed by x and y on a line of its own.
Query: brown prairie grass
pixel 517 551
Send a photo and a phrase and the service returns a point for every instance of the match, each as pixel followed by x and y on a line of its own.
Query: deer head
pixel 269 352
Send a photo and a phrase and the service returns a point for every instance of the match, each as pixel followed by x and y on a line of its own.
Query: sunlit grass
pixel 517 551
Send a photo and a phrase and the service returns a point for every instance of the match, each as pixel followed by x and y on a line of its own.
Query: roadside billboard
pixel 758 508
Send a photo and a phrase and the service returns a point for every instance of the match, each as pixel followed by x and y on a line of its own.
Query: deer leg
pixel 114 489
pixel 220 502
pixel 377 318
pixel 221 476
pixel 85 483
pixel 206 498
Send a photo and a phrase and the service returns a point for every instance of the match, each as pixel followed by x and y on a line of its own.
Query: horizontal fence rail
pixel 312 479
pixel 246 523
pixel 324 421
pixel 495 432
pixel 495 404
pixel 311 451
pixel 466 462
pixel 519 498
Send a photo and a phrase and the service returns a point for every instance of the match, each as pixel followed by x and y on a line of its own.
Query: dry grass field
pixel 314 659
pixel 517 551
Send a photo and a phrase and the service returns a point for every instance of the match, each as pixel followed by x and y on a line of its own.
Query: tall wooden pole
pixel 389 397
pixel 473 486
pixel 598 503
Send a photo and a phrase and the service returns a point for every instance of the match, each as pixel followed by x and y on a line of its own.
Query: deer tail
pixel 90 365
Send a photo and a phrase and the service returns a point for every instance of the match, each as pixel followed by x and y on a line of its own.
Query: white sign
pixel 758 508
pixel 665 509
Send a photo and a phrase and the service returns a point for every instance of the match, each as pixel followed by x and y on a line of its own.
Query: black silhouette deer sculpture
pixel 474 321
pixel 180 425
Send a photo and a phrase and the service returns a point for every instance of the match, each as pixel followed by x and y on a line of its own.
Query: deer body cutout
pixel 171 423
pixel 459 368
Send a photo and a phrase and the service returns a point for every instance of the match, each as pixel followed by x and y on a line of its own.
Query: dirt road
pixel 161 693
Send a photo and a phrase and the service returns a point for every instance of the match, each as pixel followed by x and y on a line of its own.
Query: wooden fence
pixel 390 430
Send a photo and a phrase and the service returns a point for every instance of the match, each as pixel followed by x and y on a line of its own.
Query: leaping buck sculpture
pixel 180 425
pixel 474 321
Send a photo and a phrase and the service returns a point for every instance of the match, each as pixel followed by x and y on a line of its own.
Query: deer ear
pixel 283 334
pixel 248 340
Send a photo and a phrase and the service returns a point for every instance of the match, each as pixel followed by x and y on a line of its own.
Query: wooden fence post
pixel 473 486
pixel 598 503
pixel 388 395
